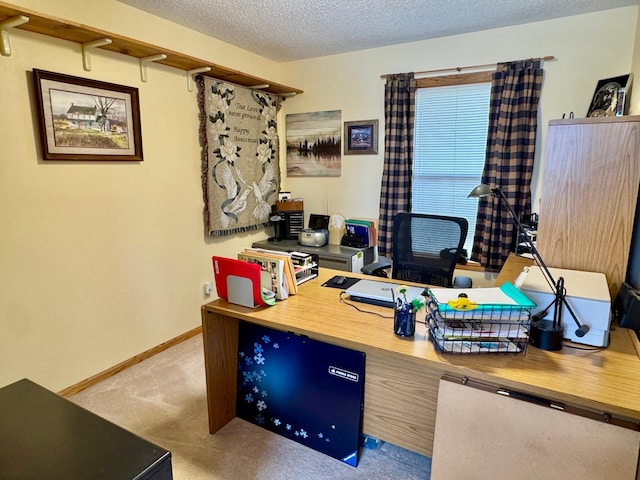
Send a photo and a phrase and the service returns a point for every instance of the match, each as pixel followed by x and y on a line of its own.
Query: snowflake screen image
pixel 302 389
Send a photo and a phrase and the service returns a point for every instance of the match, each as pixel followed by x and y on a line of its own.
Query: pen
pixel 530 398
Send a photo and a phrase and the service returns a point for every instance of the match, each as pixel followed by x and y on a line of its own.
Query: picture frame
pixel 611 97
pixel 361 137
pixel 81 119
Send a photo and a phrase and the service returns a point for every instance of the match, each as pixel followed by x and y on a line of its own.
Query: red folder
pixel 224 267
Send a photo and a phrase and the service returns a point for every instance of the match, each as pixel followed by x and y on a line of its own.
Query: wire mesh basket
pixel 488 329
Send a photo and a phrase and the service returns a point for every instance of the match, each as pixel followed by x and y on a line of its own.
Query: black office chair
pixel 425 249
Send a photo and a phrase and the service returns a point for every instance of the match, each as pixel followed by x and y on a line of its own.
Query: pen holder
pixel 404 321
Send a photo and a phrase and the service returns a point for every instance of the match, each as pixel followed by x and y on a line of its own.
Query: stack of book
pixel 282 272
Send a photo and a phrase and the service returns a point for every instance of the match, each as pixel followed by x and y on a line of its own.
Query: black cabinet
pixel 45 437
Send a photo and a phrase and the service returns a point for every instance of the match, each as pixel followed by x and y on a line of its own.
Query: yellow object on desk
pixel 462 303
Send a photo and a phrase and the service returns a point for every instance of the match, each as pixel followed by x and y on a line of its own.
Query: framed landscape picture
pixel 87 120
pixel 313 144
pixel 361 137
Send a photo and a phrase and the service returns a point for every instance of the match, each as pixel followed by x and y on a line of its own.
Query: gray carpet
pixel 163 400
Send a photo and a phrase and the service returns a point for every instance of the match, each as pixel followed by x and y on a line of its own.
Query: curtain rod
pixel 459 69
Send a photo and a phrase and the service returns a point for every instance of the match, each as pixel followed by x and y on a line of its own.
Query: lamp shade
pixel 482 190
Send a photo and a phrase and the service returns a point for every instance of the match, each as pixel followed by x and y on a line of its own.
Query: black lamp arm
pixel 558 286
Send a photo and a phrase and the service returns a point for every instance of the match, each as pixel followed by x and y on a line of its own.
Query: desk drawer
pixel 343 264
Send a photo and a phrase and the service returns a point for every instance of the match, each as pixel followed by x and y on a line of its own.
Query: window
pixel 450 142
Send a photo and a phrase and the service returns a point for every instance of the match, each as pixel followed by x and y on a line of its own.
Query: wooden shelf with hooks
pixel 75 32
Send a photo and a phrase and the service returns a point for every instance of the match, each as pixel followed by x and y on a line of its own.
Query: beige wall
pixel 101 261
pixel 352 83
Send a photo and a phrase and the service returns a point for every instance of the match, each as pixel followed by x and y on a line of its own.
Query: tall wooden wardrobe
pixel 589 194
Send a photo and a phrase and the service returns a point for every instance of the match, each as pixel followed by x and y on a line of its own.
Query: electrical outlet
pixel 208 288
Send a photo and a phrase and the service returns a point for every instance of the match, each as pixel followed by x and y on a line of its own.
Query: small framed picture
pixel 84 119
pixel 611 98
pixel 361 138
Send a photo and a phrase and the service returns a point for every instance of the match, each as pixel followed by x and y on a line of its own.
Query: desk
pixel 348 259
pixel 402 376
pixel 512 267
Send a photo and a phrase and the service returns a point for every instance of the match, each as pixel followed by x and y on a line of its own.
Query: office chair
pixel 425 249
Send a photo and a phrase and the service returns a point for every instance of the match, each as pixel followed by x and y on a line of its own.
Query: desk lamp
pixel 545 334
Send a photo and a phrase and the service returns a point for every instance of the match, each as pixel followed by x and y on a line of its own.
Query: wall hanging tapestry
pixel 239 140
pixel 313 144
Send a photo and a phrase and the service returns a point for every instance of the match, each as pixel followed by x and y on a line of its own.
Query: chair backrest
pixel 426 248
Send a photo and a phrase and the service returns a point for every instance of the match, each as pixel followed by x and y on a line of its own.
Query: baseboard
pixel 84 384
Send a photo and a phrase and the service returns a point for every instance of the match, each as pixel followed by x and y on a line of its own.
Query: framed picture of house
pixel 87 120
pixel 361 137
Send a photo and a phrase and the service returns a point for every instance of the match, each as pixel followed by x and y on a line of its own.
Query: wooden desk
pixel 402 376
pixel 512 268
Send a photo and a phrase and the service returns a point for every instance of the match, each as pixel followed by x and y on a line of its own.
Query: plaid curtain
pixel 395 192
pixel 513 122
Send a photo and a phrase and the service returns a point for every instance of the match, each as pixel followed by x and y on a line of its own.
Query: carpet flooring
pixel 163 399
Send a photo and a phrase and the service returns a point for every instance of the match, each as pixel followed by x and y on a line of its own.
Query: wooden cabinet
pixel 589 194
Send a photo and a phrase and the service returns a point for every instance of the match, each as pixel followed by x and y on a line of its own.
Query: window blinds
pixel 449 150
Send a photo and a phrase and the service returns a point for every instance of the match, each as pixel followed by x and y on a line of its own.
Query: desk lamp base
pixel 545 336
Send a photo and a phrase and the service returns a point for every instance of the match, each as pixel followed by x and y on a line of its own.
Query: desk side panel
pixel 220 338
pixel 482 435
pixel 400 399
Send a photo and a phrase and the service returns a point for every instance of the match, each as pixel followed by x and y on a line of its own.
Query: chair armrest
pixel 377 268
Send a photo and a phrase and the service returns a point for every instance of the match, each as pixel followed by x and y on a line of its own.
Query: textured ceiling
pixel 286 30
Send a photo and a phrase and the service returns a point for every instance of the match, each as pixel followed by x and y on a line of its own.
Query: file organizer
pixel 239 282
pixel 496 326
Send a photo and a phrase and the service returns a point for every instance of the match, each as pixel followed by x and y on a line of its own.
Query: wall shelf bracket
pixel 88 37
pixel 146 60
pixel 192 72
pixel 4 32
pixel 86 48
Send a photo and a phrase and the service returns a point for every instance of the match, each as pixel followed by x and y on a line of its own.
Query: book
pixel 289 270
pixel 272 273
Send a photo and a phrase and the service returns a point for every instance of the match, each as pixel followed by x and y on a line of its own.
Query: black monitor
pixel 627 303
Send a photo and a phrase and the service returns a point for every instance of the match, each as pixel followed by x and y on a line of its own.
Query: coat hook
pixel 86 58
pixel 4 26
pixel 259 87
pixel 145 60
pixel 191 73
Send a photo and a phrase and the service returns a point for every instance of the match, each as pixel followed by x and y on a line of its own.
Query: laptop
pixel 379 293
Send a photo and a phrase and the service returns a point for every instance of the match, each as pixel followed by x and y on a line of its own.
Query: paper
pixel 506 295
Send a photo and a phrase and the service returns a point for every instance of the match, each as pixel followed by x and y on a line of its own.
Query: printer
pixel 587 293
